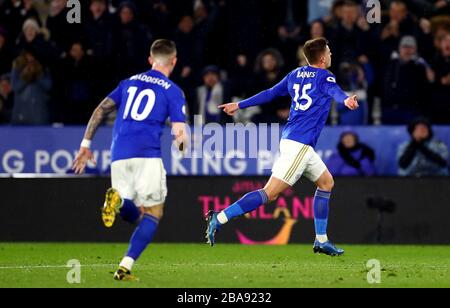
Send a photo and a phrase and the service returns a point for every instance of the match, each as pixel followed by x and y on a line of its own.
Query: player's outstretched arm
pixel 230 108
pixel 85 154
pixel 279 90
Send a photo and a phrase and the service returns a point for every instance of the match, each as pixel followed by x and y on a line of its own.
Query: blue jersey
pixel 144 103
pixel 312 90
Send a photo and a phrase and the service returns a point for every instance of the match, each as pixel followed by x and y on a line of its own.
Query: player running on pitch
pixel 143 103
pixel 312 89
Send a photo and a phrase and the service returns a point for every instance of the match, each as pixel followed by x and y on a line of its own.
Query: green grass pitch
pixel 180 266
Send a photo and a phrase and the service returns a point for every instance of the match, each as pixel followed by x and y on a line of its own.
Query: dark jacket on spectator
pixel 425 158
pixel 6 57
pixel 358 161
pixel 77 88
pixel 405 84
pixel 131 48
pixel 440 110
pixel 46 51
pixel 347 44
pixel 100 41
pixel 187 44
pixel 390 44
pixel 100 35
pixel 31 98
pixel 6 105
pixel 62 32
pixel 13 17
pixel 427 8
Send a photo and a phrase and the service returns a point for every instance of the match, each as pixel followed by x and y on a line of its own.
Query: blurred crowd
pixel 422 155
pixel 56 72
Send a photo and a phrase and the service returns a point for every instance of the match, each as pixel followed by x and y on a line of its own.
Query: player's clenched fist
pixel 230 108
pixel 352 102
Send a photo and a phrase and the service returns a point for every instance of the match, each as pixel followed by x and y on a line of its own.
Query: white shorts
pixel 142 180
pixel 297 160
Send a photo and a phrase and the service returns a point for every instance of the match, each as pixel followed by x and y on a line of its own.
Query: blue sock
pixel 321 211
pixel 247 204
pixel 142 236
pixel 130 212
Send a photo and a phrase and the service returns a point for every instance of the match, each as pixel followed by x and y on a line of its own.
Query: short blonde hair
pixel 163 51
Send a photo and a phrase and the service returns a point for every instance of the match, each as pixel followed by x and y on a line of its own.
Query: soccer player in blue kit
pixel 143 102
pixel 312 89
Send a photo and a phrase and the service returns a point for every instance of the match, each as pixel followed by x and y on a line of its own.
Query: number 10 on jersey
pixel 136 103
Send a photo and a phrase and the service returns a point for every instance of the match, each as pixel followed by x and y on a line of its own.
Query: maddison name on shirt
pixel 152 80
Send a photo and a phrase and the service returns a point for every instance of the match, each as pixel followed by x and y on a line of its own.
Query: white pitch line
pixel 26 267
pixel 52 266
pixel 149 266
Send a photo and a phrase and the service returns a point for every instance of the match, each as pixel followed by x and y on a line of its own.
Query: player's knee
pixel 327 184
pixel 331 183
pixel 156 212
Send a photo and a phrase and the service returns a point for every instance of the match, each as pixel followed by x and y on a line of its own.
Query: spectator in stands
pixel 6 99
pixel 352 79
pixel 119 44
pixel 62 32
pixel 218 33
pixel 206 17
pixel 425 8
pixel 352 158
pixel 399 24
pixel 241 75
pixel 32 38
pixel 290 29
pixel 422 155
pixel 349 39
pixel 98 29
pixel 202 19
pixel 157 16
pixel 440 110
pixel 188 60
pixel 6 55
pixel 213 93
pixel 319 9
pixel 181 8
pixel 13 14
pixel 317 30
pixel 405 85
pixel 132 39
pixel 77 67
pixel 31 83
pixel 268 72
pixel 424 36
pixel 335 16
pixel 99 32
pixel 241 82
pixel 185 38
pixel 29 11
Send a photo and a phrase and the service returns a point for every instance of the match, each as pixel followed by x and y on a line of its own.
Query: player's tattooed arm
pixel 85 154
pixel 105 108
